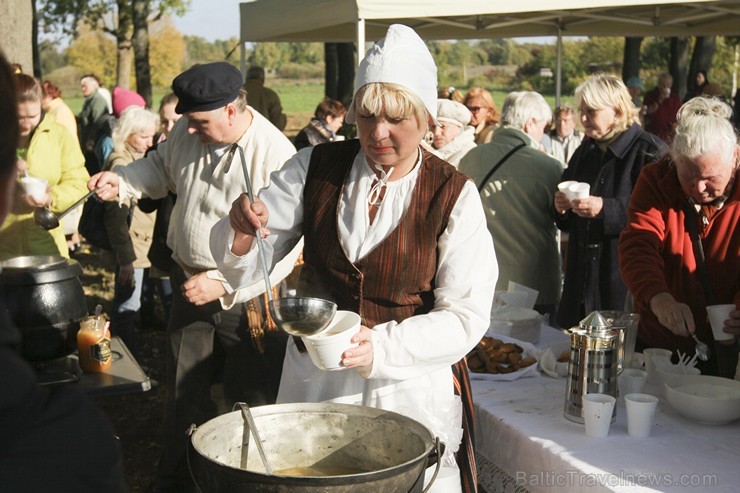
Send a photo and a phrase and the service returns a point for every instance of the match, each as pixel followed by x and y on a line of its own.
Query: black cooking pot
pixel 44 298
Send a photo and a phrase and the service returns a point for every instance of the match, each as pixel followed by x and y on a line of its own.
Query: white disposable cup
pixel 35 187
pixel 326 347
pixel 631 381
pixel 640 414
pixel 650 355
pixel 717 316
pixel 580 190
pixel 597 414
pixel 564 187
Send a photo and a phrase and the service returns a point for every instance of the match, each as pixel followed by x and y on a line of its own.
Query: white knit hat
pixel 452 111
pixel 400 58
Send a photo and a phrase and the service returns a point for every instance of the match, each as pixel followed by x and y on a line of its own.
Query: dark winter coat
pixel 592 279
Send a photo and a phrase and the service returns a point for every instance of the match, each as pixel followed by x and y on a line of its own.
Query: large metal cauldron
pixel 378 451
pixel 45 300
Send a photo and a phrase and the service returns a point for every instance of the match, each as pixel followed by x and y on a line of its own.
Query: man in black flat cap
pixel 214 331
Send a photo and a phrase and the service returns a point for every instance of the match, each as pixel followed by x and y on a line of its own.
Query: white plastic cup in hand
pixel 597 414
pixel 564 187
pixel 631 381
pixel 717 316
pixel 651 354
pixel 34 187
pixel 580 190
pixel 326 347
pixel 640 414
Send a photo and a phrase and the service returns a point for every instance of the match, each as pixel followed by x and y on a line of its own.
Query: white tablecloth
pixel 520 430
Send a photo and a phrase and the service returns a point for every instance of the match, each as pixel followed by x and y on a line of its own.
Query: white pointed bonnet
pixel 400 58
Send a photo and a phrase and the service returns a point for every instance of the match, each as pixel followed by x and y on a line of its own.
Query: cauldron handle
pixel 435 456
pixel 189 449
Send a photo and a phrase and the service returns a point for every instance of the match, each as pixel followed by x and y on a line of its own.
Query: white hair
pixel 703 127
pixel 133 119
pixel 519 107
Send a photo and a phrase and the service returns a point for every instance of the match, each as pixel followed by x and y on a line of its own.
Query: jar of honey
pixel 93 344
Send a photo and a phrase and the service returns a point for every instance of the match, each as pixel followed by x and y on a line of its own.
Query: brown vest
pixel 396 279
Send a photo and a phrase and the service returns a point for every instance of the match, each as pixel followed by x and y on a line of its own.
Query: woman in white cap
pixel 391 232
pixel 453 136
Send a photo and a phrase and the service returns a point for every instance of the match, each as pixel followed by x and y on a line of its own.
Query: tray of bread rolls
pixel 498 357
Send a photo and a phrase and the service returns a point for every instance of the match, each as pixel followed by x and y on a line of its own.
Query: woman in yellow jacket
pixel 46 150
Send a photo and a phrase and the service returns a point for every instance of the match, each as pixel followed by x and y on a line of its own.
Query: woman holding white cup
pixel 679 252
pixel 606 166
pixel 46 152
pixel 363 207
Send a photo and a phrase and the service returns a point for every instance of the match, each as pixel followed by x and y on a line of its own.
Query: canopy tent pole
pixel 559 68
pixel 243 59
pixel 360 40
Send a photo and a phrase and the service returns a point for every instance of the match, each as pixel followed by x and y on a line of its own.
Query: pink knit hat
pixel 123 98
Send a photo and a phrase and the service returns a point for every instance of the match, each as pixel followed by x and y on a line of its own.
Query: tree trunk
pixel 701 57
pixel 123 44
pixel 16 33
pixel 631 59
pixel 141 50
pixel 346 73
pixel 331 70
pixel 678 64
pixel 35 43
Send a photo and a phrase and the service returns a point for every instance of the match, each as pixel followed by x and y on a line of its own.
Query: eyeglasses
pixel 474 109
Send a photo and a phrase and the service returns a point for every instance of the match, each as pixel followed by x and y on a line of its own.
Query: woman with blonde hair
pixel 485 114
pixel 392 233
pixel 132 135
pixel 609 161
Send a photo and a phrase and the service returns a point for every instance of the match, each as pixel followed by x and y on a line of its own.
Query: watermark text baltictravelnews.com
pixel 623 478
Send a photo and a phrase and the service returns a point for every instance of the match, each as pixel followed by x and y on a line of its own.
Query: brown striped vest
pixel 396 279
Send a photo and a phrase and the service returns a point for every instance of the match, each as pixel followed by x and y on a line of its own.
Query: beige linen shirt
pixel 206 183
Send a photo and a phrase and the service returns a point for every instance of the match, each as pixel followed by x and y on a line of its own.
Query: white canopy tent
pixel 360 20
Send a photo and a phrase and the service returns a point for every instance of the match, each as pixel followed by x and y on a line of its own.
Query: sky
pixel 210 19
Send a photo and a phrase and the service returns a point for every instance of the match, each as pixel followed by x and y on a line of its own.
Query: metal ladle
pixel 298 316
pixel 46 219
pixel 249 420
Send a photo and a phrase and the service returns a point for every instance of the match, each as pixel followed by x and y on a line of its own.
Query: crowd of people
pixel 441 200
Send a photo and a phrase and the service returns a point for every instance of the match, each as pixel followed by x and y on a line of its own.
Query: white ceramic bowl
pixel 703 398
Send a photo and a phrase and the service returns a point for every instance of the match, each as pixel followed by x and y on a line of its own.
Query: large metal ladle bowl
pixel 298 316
pixel 47 220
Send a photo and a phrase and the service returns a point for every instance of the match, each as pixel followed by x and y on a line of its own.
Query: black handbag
pixel 92 223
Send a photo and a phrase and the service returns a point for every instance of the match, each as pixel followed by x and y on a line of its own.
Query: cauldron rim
pixel 367 477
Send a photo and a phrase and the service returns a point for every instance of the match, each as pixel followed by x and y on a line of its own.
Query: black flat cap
pixel 206 87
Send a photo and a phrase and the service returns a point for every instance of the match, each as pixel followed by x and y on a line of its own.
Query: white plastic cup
pixel 597 414
pixel 717 316
pixel 640 414
pixel 326 347
pixel 631 381
pixel 35 187
pixel 564 187
pixel 650 355
pixel 580 190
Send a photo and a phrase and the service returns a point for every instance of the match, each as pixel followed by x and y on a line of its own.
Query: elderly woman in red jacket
pixel 692 193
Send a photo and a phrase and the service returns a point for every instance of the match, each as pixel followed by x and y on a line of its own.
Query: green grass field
pixel 298 97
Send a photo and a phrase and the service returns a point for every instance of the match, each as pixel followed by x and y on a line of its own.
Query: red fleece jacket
pixel 656 254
